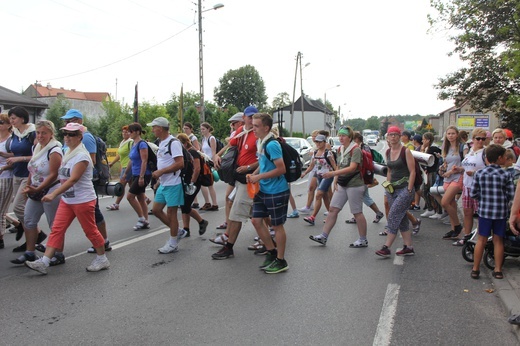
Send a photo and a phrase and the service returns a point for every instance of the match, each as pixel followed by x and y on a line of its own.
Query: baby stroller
pixel 511 248
pixel 469 246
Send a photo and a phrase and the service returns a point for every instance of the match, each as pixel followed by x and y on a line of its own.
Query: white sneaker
pixel 220 239
pixel 438 216
pixel 326 213
pixel 428 213
pixel 446 221
pixel 141 225
pixel 181 233
pixel 37 265
pixel 168 248
pixel 305 210
pixel 444 216
pixel 99 263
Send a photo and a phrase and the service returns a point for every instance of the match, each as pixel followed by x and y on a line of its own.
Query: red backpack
pixel 367 166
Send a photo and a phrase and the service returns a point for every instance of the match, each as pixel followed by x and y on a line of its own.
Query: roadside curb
pixel 508 291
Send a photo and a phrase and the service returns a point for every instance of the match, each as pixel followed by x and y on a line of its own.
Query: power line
pixel 120 60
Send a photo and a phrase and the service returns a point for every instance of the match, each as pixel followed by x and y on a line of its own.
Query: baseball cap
pixel 73 127
pixel 236 117
pixel 160 121
pixel 393 129
pixel 320 138
pixel 509 133
pixel 71 114
pixel 250 111
pixel 417 138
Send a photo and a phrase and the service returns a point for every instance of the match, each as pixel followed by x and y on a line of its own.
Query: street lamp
pixel 201 60
pixel 325 101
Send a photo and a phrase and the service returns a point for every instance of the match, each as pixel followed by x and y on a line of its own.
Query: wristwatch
pixel 248 167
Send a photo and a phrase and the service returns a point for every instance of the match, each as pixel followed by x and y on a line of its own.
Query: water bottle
pixel 292 167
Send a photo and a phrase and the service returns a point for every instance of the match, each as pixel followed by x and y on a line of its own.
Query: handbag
pixel 37 196
pixel 228 167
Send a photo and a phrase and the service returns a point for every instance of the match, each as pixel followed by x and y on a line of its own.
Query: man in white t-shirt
pixel 170 193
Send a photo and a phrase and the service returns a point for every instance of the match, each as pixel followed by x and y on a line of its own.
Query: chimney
pixel 49 86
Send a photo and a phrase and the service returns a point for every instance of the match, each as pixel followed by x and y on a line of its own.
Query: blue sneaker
pixel 293 215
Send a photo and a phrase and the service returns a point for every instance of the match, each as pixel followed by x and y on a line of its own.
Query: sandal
pixel 206 206
pixel 378 218
pixel 223 226
pixel 498 275
pixel 383 233
pixel 256 245
pixel 475 274
pixel 353 220
pixel 113 207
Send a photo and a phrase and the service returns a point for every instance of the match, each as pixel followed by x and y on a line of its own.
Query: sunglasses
pixel 70 134
pixel 480 138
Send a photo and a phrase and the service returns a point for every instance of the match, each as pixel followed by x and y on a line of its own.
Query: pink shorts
pixel 457 183
pixel 467 201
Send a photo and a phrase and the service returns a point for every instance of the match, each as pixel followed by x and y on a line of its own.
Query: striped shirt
pixel 493 188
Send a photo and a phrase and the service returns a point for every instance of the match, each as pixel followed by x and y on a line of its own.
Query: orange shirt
pixel 246 147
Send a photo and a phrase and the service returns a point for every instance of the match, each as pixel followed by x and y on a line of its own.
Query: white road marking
pixel 386 319
pixel 129 241
pixel 398 260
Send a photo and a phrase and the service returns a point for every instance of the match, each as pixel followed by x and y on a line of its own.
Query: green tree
pixel 241 88
pixel 56 111
pixel 110 125
pixel 486 35
pixel 373 123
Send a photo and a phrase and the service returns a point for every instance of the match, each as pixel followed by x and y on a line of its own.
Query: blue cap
pixel 249 111
pixel 71 114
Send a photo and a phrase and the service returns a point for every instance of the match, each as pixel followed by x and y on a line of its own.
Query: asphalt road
pixel 331 295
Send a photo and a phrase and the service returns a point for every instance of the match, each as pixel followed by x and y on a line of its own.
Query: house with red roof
pixel 88 103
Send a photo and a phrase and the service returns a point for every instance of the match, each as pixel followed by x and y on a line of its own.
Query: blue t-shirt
pixel 277 184
pixel 135 157
pixel 21 147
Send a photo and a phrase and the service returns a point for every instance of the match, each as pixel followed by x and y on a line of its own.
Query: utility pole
pixel 201 67
pixel 301 97
pixel 294 93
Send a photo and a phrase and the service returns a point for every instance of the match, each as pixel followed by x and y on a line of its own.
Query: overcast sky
pixel 378 51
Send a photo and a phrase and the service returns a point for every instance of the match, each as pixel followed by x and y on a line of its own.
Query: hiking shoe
pixel 384 252
pixel 37 265
pixel 359 243
pixel 223 253
pixel 417 227
pixel 319 239
pixel 293 215
pixel 141 225
pixel 304 210
pixel 206 206
pixel 378 218
pixel 213 208
pixel 203 226
pixel 405 251
pixel 428 213
pixel 99 263
pixel 168 248
pixel 309 219
pixel 450 235
pixel 220 239
pixel 278 266
pixel 58 259
pixel 269 259
pixel 25 257
pixel 107 248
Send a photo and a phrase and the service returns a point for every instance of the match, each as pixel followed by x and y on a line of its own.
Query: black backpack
pixel 220 145
pixel 187 169
pixel 291 159
pixel 101 168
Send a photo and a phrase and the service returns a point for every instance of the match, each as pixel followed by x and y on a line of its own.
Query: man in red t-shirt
pixel 247 162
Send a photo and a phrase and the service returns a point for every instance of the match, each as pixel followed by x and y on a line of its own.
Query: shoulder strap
pixel 265 147
pixel 49 152
pixel 169 145
pixel 8 143
pixel 461 151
